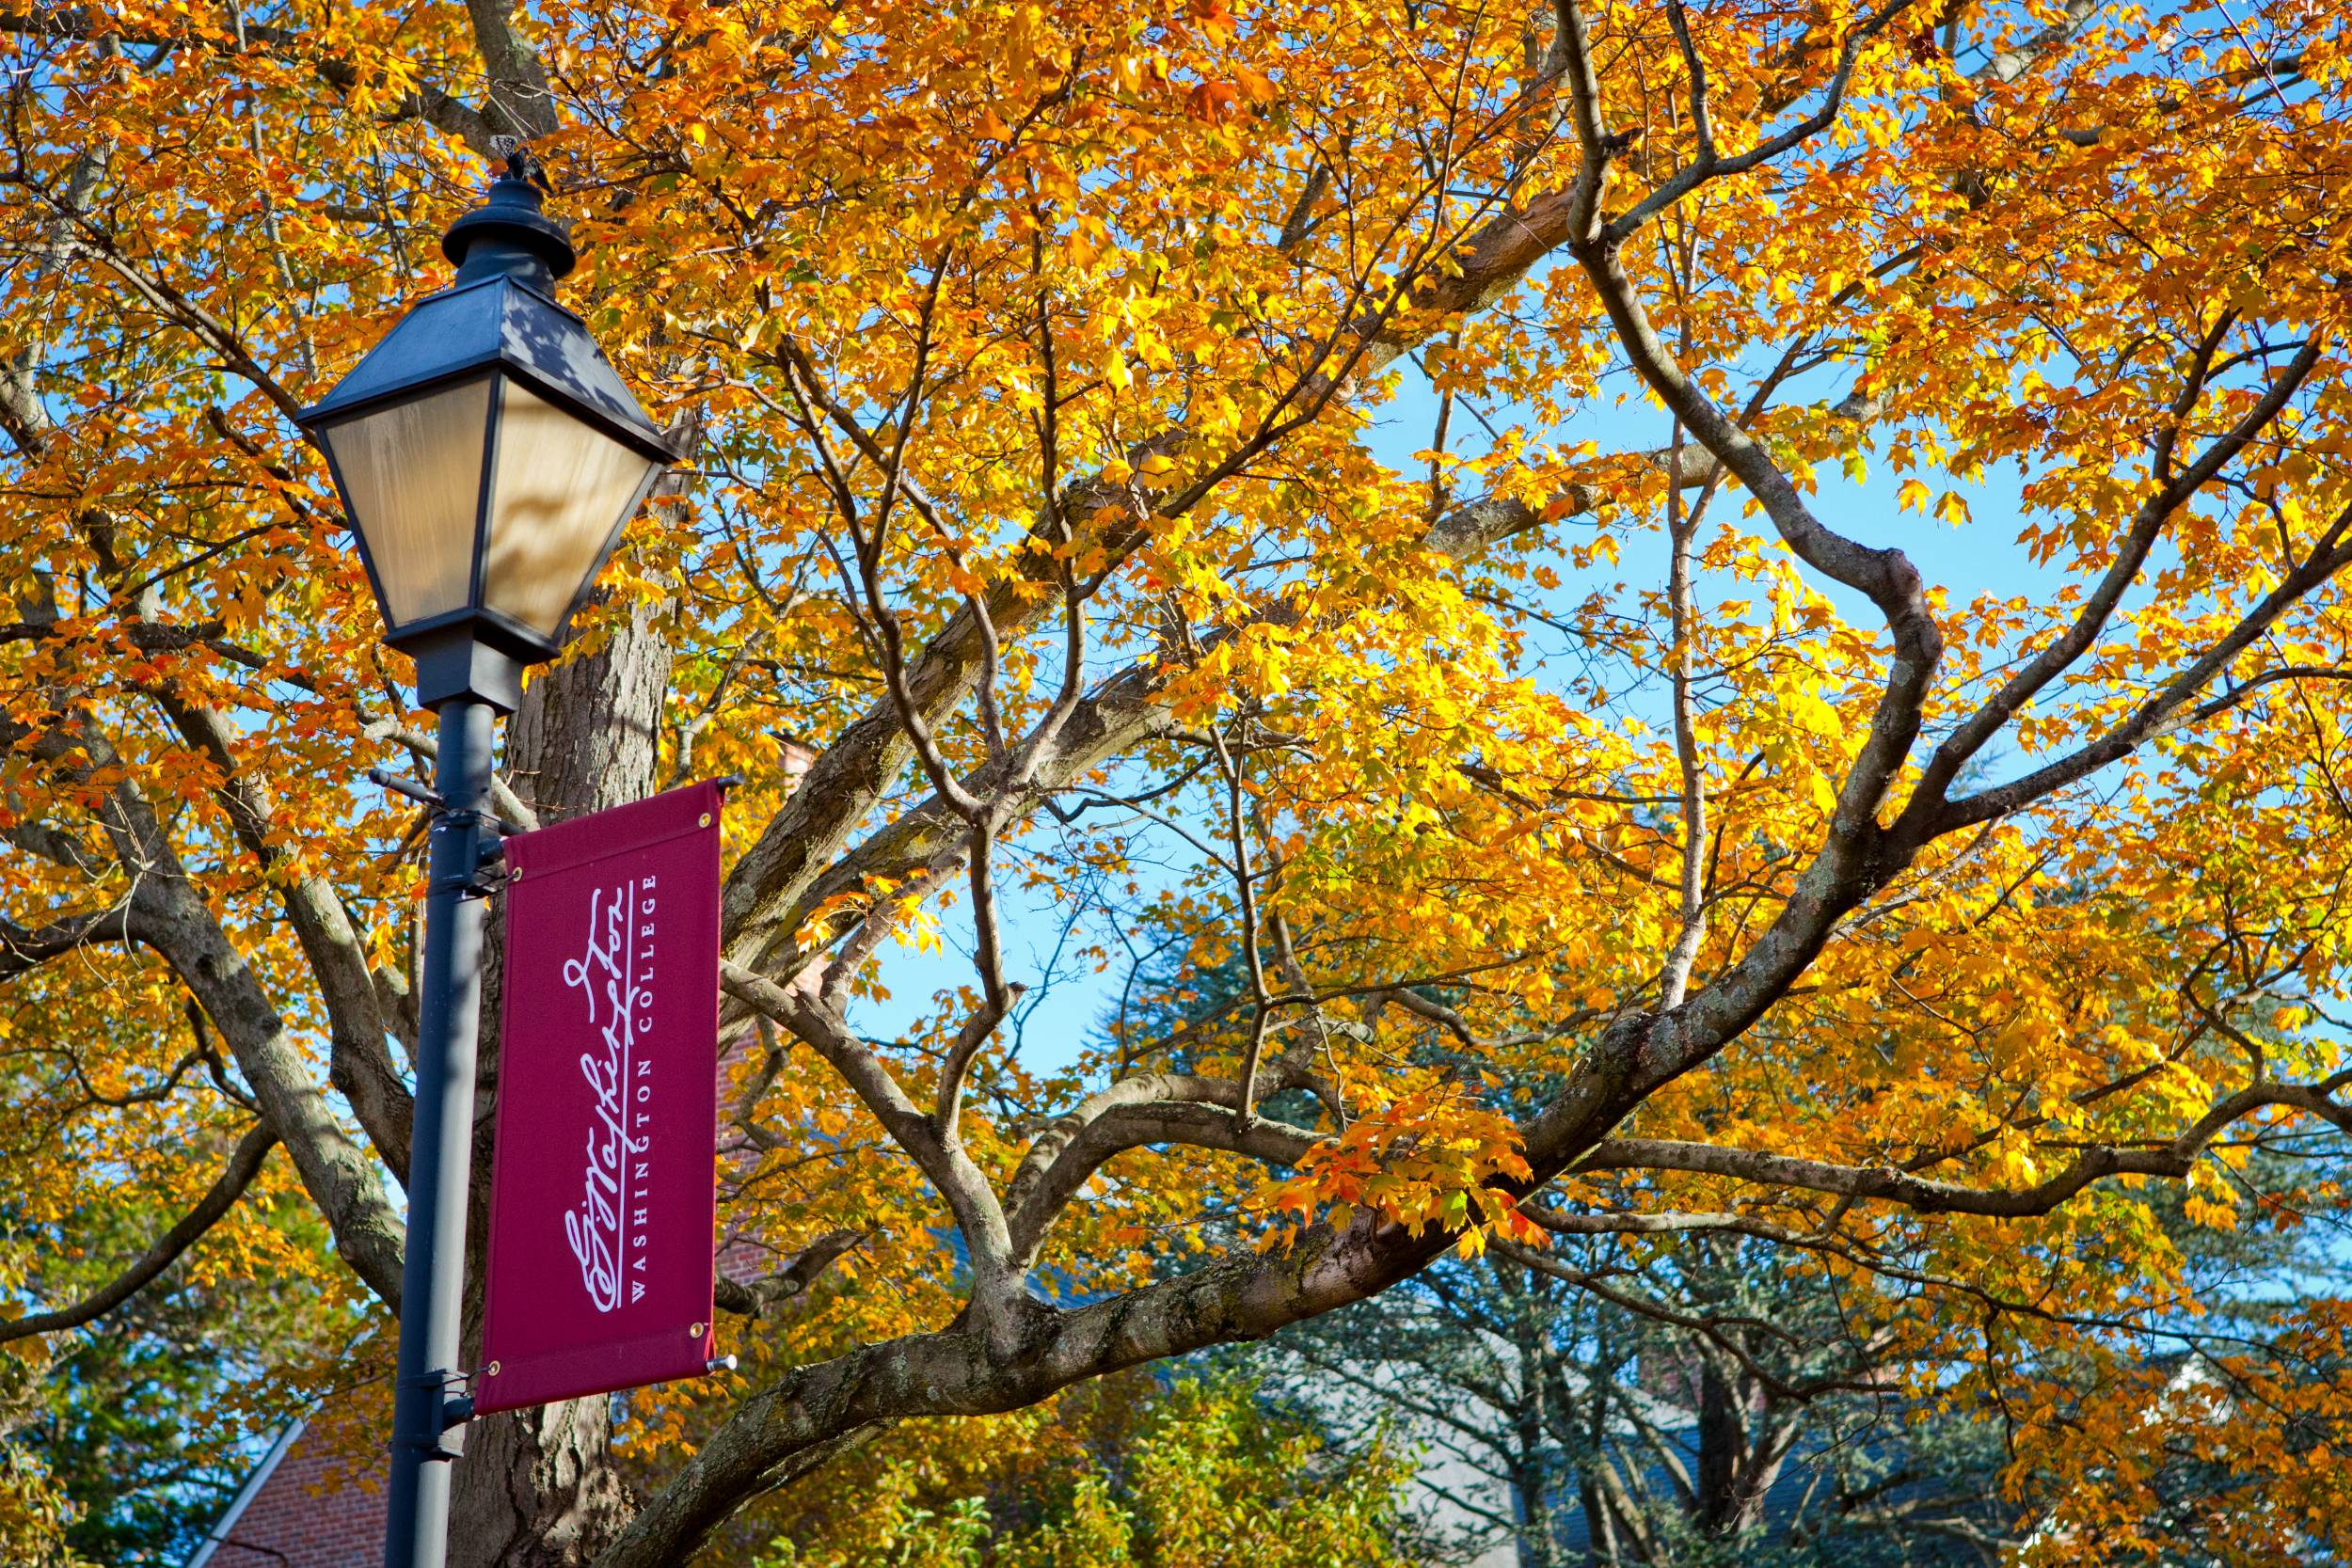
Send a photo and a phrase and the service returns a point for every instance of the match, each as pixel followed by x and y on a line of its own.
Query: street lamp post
pixel 488 456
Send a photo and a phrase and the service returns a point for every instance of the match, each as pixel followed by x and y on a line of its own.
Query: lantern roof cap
pixel 503 316
pixel 509 232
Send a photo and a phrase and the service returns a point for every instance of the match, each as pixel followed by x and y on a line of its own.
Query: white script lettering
pixel 613 974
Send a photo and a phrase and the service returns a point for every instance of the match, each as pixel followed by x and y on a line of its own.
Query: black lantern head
pixel 487 455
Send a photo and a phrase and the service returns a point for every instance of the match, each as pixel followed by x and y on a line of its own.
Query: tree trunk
pixel 1531 1469
pixel 1741 1450
pixel 1722 1440
pixel 537 1488
pixel 1533 1508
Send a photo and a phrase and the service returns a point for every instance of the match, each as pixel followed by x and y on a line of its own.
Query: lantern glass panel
pixel 411 477
pixel 562 489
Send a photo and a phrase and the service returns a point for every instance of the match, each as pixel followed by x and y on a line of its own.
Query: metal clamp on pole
pixel 476 858
pixel 448 1442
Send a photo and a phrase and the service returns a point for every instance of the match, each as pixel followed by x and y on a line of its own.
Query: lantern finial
pixel 509 233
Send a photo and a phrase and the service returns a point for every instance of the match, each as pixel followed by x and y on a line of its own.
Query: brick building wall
pixel 302 1508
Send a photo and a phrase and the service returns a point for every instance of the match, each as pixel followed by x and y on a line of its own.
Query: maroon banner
pixel 603 1191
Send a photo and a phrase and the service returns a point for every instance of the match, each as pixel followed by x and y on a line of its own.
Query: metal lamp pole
pixel 425 1417
pixel 488 456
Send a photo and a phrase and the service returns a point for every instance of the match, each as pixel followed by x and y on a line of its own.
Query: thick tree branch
pixel 2174 491
pixel 245 1163
pixel 1926 1195
pixel 359 1064
pixel 958 1371
pixel 23 948
pixel 169 914
pixel 997 1293
pixel 754 1298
